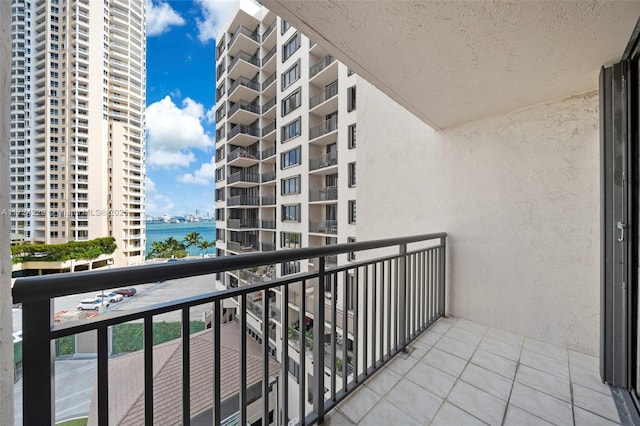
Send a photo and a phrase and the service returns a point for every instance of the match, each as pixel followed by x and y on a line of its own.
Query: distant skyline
pixel 181 104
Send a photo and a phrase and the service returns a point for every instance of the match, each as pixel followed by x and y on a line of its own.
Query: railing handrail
pixel 29 289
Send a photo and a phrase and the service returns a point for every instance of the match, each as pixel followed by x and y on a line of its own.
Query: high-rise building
pixel 77 145
pixel 285 154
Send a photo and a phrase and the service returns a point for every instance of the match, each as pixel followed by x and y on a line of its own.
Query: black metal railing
pixel 268 176
pixel 269 152
pixel 242 223
pixel 243 177
pixel 379 305
pixel 246 130
pixel 243 200
pixel 245 106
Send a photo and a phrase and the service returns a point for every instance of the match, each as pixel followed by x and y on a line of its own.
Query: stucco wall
pixel 518 194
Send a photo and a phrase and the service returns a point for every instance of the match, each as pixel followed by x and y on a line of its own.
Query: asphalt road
pixel 75 378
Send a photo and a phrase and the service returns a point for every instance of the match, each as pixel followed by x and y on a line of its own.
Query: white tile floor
pixel 463 373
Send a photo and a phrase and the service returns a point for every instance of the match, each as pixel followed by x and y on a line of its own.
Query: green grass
pixel 75 422
pixel 129 337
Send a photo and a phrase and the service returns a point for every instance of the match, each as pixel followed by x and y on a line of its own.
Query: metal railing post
pixel 402 297
pixel 318 343
pixel 38 404
pixel 442 283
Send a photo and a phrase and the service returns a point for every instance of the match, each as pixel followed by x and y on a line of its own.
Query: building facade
pixel 77 145
pixel 285 155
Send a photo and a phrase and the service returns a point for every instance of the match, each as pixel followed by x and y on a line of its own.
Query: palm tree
pixel 192 239
pixel 206 245
pixel 168 248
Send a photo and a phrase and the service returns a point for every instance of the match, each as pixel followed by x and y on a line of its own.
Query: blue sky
pixel 180 104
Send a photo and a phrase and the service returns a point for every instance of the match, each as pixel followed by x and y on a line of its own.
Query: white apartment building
pixel 285 152
pixel 77 145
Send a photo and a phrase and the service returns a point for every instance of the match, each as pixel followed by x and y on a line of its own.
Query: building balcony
pixel 243 64
pixel 242 223
pixel 243 113
pixel 241 157
pixel 243 179
pixel 269 85
pixel 268 177
pixel 268 224
pixel 242 135
pixel 243 38
pixel 268 200
pixel 328 193
pixel 242 200
pixel 324 161
pixel 323 71
pixel 269 37
pixel 268 153
pixel 268 109
pixel 268 132
pixel 243 88
pixel 323 226
pixel 242 247
pixel 318 103
pixel 325 132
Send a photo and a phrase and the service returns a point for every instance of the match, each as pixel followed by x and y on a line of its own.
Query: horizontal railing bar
pixel 50 286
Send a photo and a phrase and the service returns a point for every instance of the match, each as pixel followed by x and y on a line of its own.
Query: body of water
pixel 162 231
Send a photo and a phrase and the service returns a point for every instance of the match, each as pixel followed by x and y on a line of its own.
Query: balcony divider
pixel 382 303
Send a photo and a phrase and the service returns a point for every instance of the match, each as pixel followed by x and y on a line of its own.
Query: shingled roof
pixel 126 378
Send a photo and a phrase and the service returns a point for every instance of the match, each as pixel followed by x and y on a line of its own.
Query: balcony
pixel 241 157
pixel 323 71
pixel 242 135
pixel 325 132
pixel 268 177
pixel 268 130
pixel 243 113
pixel 328 193
pixel 243 39
pixel 325 160
pixel 243 64
pixel 242 200
pixel 268 200
pixel 337 371
pixel 268 224
pixel 329 92
pixel 243 88
pixel 323 226
pixel 242 223
pixel 268 153
pixel 269 86
pixel 243 179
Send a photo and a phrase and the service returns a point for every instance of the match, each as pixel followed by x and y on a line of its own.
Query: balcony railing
pixel 269 152
pixel 270 28
pixel 268 246
pixel 268 105
pixel 320 65
pixel 397 297
pixel 242 153
pixel 268 81
pixel 325 160
pixel 268 176
pixel 243 177
pixel 268 129
pixel 253 35
pixel 269 54
pixel 327 193
pixel 323 128
pixel 243 200
pixel 247 130
pixel 323 226
pixel 327 93
pixel 268 224
pixel 252 59
pixel 243 81
pixel 242 223
pixel 245 106
pixel 242 246
pixel 268 200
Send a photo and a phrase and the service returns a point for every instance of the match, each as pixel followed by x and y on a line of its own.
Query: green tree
pixel 192 239
pixel 168 248
pixel 206 245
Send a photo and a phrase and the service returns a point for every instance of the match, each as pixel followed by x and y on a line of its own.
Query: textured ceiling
pixel 449 62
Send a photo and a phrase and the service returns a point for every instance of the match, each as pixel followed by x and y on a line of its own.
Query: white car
pixel 111 297
pixel 92 304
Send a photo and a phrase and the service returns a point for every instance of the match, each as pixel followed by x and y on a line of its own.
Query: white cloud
pixel 215 13
pixel 157 204
pixel 160 18
pixel 203 176
pixel 173 132
pixel 211 115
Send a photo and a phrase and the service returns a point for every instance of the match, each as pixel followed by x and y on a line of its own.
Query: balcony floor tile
pixel 462 372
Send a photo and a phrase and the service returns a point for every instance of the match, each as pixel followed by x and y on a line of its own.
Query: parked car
pixel 111 297
pixel 126 292
pixel 92 304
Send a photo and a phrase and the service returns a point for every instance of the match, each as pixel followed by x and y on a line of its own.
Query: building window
pixel 290 239
pixel 351 98
pixel 220 47
pixel 291 130
pixel 290 186
pixel 219 214
pixel 352 254
pixel 291 102
pixel 220 194
pixel 220 134
pixel 220 91
pixel 291 75
pixel 290 47
pixel 290 158
pixel 352 136
pixel 219 174
pixel 352 175
pixel 220 154
pixel 284 26
pixel 291 213
pixel 220 113
pixel 352 211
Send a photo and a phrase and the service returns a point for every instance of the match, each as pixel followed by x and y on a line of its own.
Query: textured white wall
pixel 518 194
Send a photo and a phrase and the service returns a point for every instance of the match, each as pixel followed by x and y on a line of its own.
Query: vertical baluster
pixel 356 325
pixel 215 329
pixel 318 342
pixel 242 400
pixel 186 368
pixel 265 357
pixel 365 320
pixel 345 329
pixel 284 397
pixel 148 370
pixel 103 376
pixel 334 331
pixel 302 394
pixel 374 316
pixel 382 305
pixel 402 296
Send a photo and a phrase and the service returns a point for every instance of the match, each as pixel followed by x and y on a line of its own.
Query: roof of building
pixel 126 378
